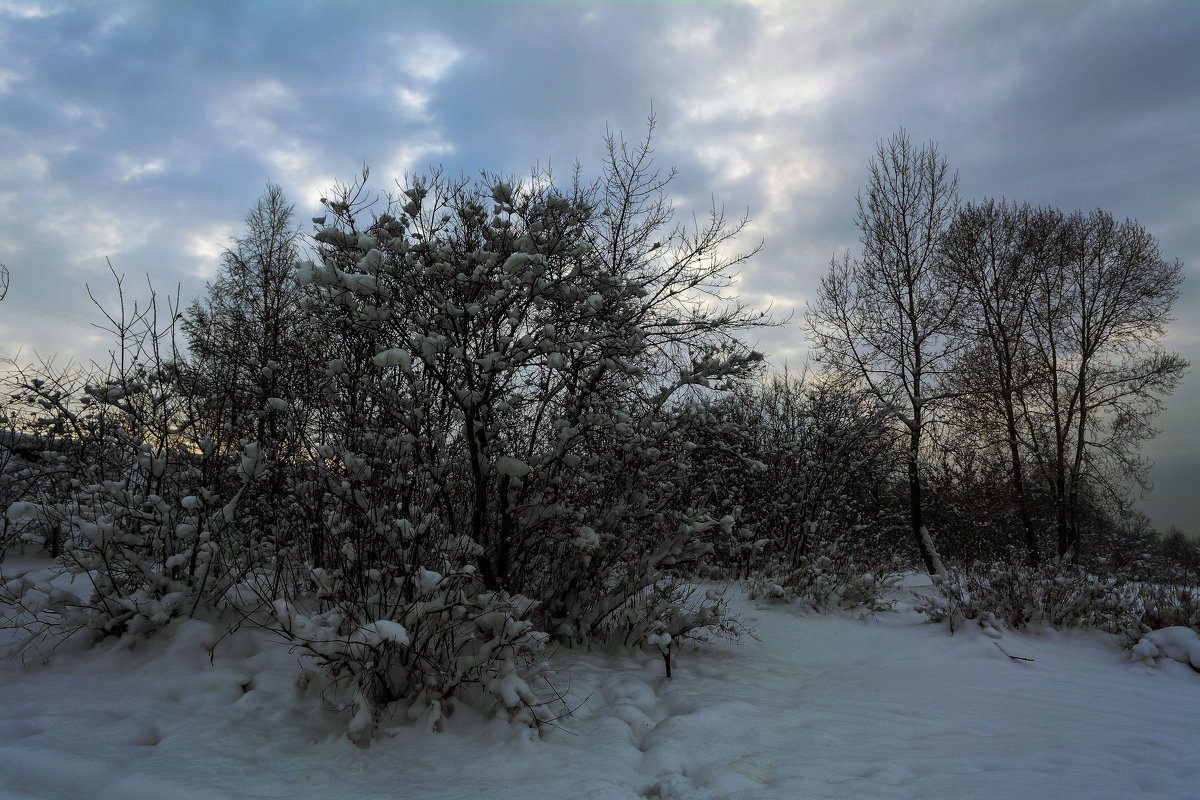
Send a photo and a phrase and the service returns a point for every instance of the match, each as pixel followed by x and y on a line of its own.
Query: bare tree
pixel 246 337
pixel 1103 300
pixel 885 318
pixel 252 366
pixel 994 251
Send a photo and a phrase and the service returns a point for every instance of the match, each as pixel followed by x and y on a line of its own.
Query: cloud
pixel 144 132
pixel 411 101
pixel 246 113
pixel 415 157
pixel 206 246
pixel 29 9
pixel 429 59
pixel 132 167
pixel 8 78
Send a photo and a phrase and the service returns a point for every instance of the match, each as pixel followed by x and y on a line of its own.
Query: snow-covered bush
pixel 824 457
pixel 1178 643
pixel 1169 606
pixel 1059 594
pixel 468 425
pixel 31 472
pixel 52 428
pixel 796 464
pixel 517 379
pixel 673 615
pixel 827 579
pixel 141 512
pixel 426 640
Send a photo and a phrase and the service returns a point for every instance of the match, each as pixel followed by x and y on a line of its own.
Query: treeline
pixel 458 424
pixel 1012 345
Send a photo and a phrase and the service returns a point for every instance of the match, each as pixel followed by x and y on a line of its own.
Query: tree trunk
pixel 929 554
pixel 1060 511
pixel 1018 476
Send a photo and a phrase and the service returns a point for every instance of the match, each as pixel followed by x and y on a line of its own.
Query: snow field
pixel 820 706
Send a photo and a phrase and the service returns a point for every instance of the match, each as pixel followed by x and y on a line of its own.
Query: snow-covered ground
pixel 819 707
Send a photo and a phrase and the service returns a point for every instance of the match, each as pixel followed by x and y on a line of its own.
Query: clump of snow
pixel 662 639
pixel 1179 643
pixel 395 357
pixel 253 462
pixel 384 630
pixel 513 467
pixel 21 510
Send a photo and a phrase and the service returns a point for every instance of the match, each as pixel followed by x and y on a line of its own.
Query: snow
pixel 818 706
pixel 395 357
pixel 513 467
pixel 21 511
pixel 384 630
pixel 1178 643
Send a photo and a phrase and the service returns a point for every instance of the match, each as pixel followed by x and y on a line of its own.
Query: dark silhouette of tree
pixel 994 251
pixel 253 355
pixel 247 338
pixel 885 318
pixel 1102 301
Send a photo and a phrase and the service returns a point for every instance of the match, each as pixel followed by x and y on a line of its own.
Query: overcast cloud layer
pixel 142 132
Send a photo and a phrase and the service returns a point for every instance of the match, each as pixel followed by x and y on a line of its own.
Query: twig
pixel 1014 658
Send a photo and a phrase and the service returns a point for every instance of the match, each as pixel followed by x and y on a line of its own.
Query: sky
pixel 140 133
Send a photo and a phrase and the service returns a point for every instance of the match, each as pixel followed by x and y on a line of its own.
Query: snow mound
pixel 1179 643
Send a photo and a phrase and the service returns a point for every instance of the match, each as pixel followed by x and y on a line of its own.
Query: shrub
pixel 1061 595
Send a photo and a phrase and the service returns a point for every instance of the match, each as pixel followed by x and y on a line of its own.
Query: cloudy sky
pixel 141 132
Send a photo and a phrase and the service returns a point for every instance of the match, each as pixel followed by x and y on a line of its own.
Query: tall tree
pixel 885 317
pixel 247 337
pixel 252 369
pixel 995 251
pixel 1103 299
